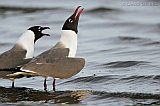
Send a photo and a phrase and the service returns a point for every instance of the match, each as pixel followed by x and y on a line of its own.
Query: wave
pixel 132 95
pixel 132 40
pixel 123 64
pixel 33 9
pixel 4 44
pixel 107 79
pixel 153 43
pixel 93 79
pixel 26 9
pixel 127 38
pixel 102 9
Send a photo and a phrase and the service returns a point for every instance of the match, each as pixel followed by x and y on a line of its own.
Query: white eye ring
pixel 70 20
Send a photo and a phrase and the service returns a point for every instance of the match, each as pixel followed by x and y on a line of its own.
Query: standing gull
pixel 21 53
pixel 59 61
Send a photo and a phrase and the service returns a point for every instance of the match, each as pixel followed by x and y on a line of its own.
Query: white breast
pixel 69 39
pixel 27 43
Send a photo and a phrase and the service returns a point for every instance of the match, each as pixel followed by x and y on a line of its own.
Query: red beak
pixel 77 13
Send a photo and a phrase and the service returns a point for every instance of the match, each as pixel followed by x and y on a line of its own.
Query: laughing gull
pixel 59 61
pixel 21 53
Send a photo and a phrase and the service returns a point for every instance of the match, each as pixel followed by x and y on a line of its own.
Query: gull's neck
pixel 26 41
pixel 69 39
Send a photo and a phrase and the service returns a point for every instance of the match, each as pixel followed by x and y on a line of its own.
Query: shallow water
pixel 120 41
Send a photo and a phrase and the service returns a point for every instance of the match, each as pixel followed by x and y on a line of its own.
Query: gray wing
pixel 60 68
pixel 13 58
pixel 55 63
pixel 58 51
pixel 49 56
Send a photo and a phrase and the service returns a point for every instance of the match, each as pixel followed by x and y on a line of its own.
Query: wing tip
pixel 82 61
pixel 28 71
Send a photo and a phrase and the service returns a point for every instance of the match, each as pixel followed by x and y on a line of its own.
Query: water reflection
pixel 13 95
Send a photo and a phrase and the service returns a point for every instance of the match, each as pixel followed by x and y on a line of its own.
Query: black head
pixel 72 22
pixel 38 32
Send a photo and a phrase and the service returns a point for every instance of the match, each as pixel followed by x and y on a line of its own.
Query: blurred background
pixel 119 39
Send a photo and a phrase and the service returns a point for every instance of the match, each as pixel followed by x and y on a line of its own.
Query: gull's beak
pixel 77 13
pixel 44 28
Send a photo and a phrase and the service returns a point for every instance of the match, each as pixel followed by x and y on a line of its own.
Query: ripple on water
pixel 123 64
pixel 101 9
pixel 131 40
pixel 92 79
pixel 29 9
pixel 4 44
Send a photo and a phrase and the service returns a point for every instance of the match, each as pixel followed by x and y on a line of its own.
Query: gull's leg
pixel 13 84
pixel 54 87
pixel 45 84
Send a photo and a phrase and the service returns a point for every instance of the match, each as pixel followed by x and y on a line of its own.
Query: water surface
pixel 120 41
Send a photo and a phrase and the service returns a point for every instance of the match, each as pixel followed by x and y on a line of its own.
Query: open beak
pixel 44 28
pixel 77 13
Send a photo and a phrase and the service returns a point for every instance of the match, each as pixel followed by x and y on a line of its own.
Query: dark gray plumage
pixel 55 63
pixel 13 58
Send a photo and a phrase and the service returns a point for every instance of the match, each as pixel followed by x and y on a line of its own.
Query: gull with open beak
pixel 21 53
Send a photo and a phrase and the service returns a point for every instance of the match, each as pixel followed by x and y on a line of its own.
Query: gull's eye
pixel 39 28
pixel 70 20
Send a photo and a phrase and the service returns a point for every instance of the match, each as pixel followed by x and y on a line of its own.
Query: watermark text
pixel 131 3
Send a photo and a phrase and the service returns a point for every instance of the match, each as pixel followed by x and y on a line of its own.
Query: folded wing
pixel 13 58
pixel 60 68
pixel 54 63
